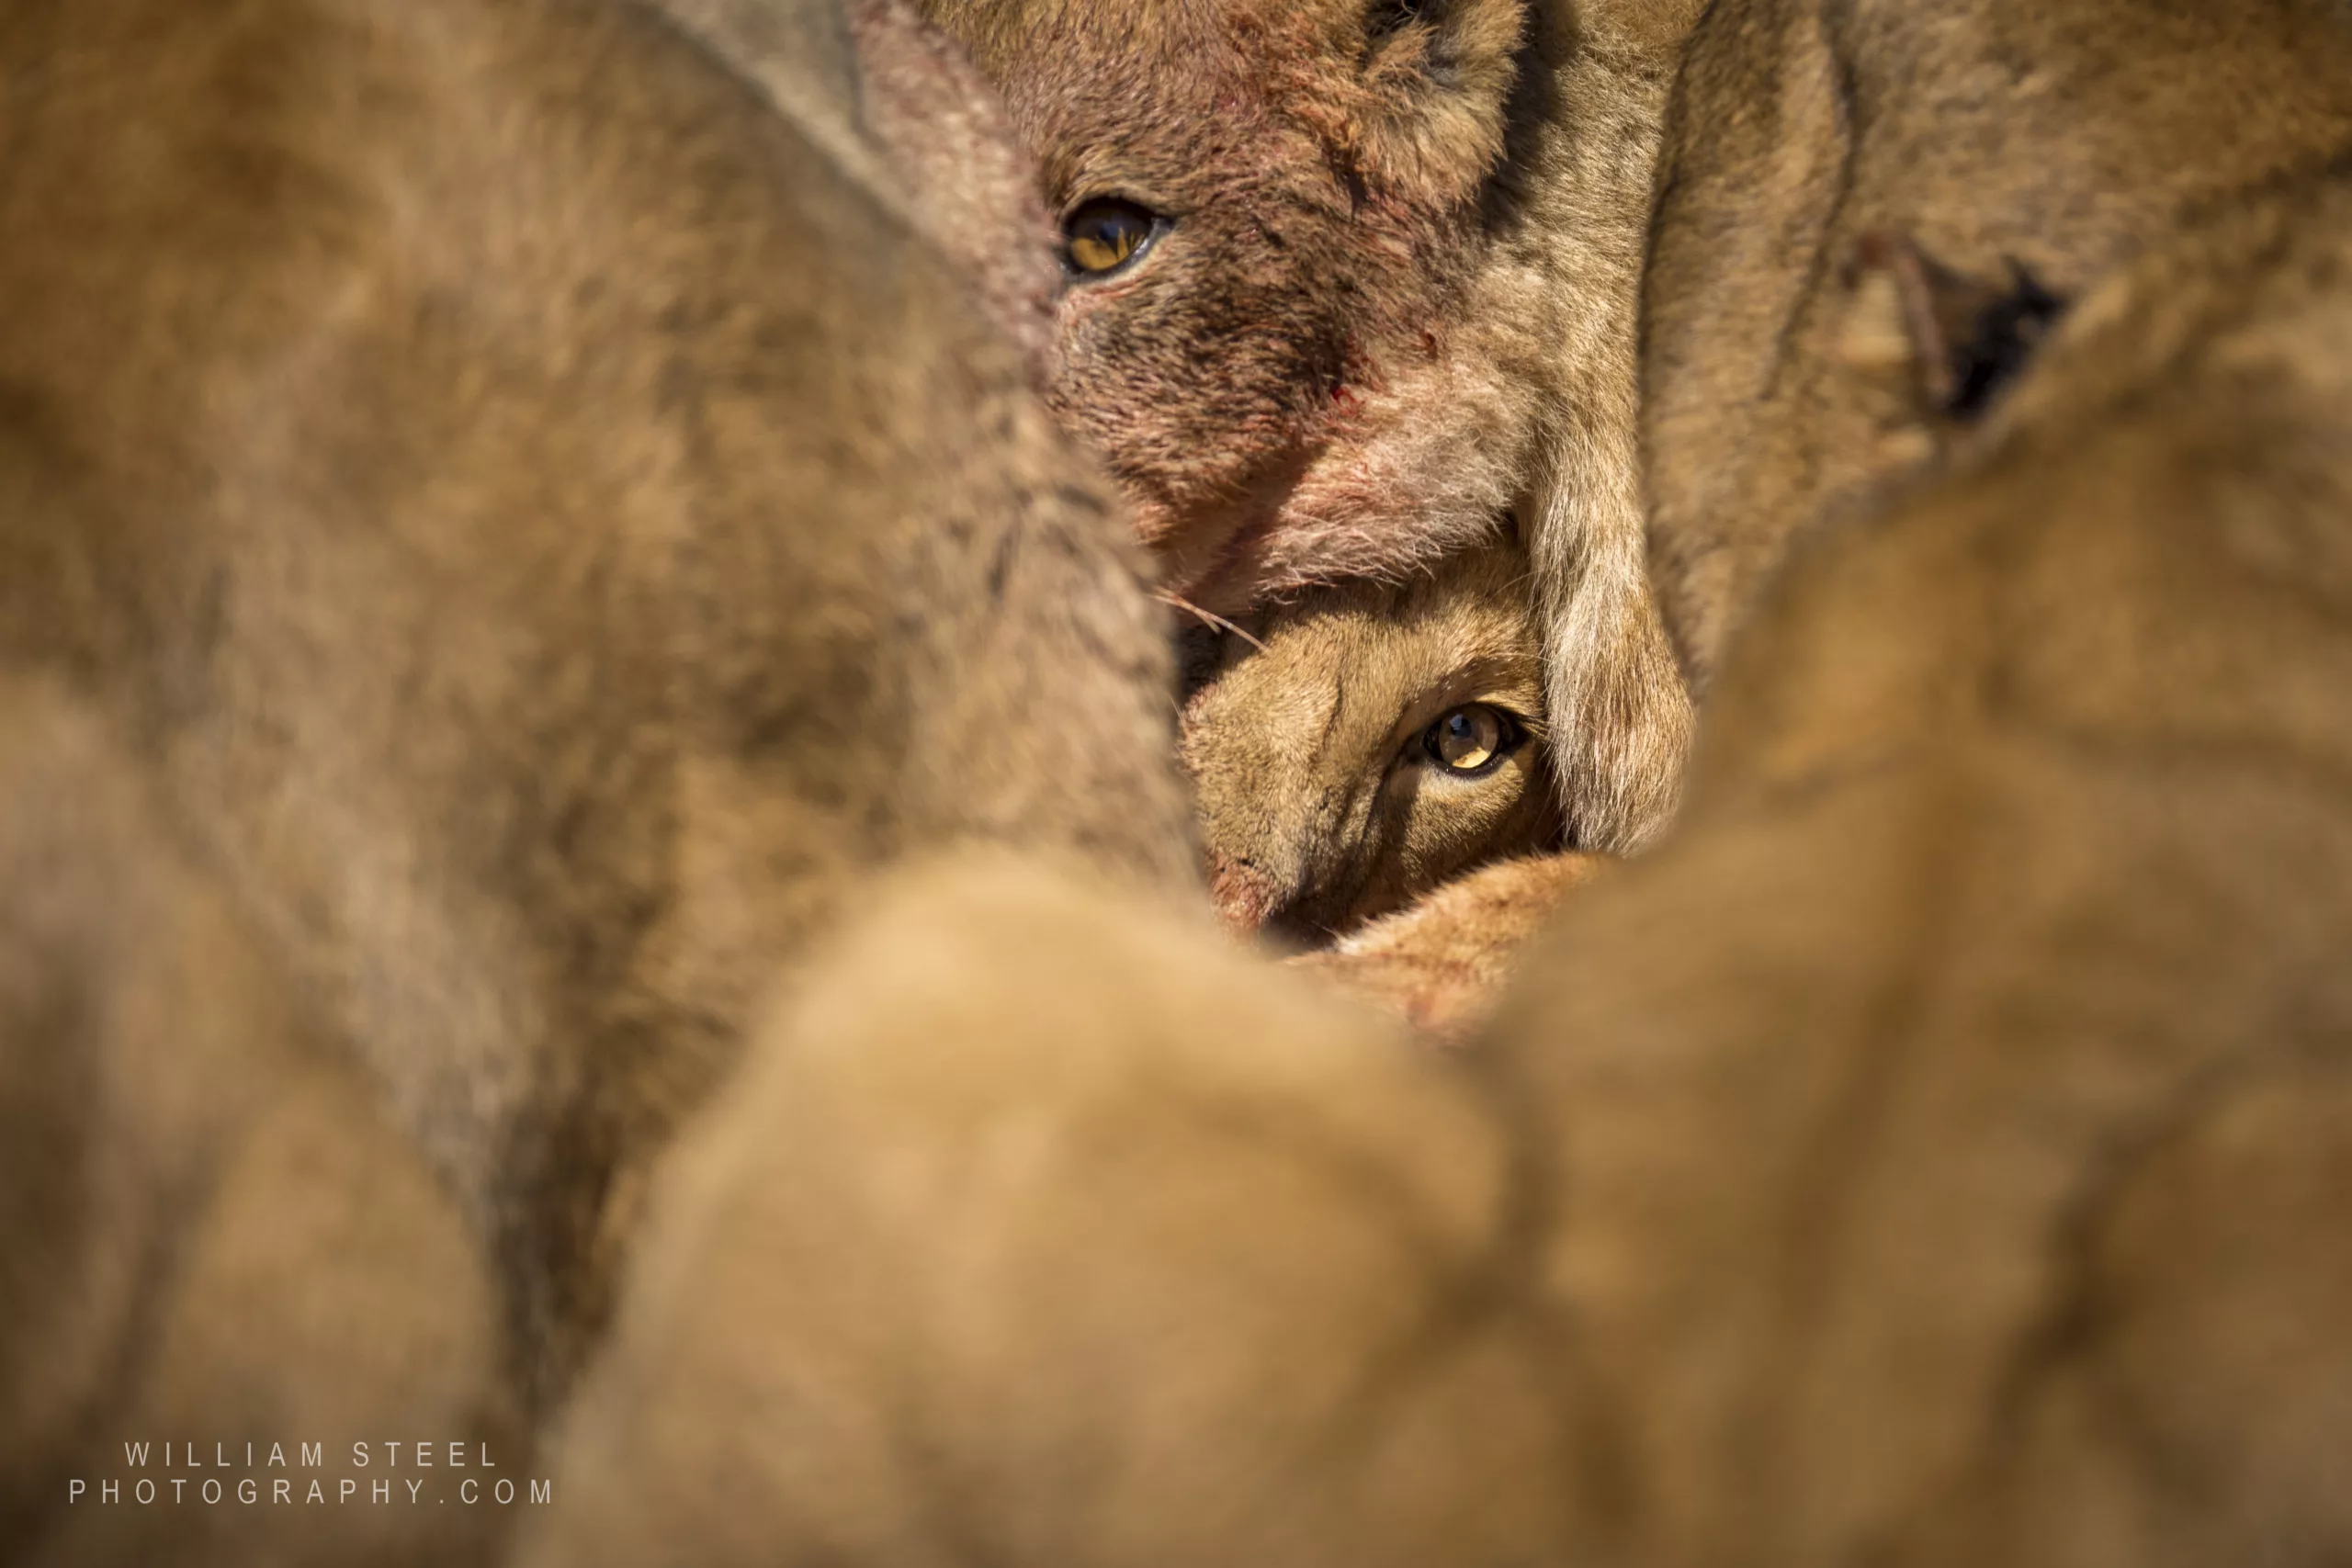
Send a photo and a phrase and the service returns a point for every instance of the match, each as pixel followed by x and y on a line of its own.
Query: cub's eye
pixel 1471 739
pixel 1099 237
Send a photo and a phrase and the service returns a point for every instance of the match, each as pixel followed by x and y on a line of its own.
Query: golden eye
pixel 1471 739
pixel 1103 236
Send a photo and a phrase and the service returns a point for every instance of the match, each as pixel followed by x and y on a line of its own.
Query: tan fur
pixel 893 97
pixel 1084 1237
pixel 1395 304
pixel 2018 854
pixel 547 524
pixel 1843 184
pixel 2064 138
pixel 207 1234
pixel 1446 964
pixel 1934 1156
pixel 952 147
pixel 1321 806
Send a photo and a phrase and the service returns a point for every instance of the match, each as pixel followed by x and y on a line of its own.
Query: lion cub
pixel 1359 746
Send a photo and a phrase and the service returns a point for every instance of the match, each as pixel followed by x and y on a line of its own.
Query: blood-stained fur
pixel 1372 290
pixel 547 521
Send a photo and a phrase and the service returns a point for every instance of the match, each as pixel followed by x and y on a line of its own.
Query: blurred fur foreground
pixel 1935 1155
pixel 544 522
pixel 205 1226
pixel 593 847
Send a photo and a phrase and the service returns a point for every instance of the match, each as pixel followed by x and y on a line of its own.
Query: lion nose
pixel 1244 894
pixel 1255 901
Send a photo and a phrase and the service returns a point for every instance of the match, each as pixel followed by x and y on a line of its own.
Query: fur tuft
pixel 1437 74
pixel 1621 717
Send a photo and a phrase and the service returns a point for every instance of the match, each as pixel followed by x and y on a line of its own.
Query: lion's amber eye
pixel 1103 236
pixel 1471 739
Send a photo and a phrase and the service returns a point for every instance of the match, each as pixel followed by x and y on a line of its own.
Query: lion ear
pixel 1952 342
pixel 1437 79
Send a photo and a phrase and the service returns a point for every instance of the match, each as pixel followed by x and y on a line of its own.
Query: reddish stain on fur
pixel 1243 895
pixel 1317 165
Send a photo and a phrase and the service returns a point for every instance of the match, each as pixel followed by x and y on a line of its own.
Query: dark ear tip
pixel 1386 16
pixel 2031 293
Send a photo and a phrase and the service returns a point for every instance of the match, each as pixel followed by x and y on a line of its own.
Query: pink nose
pixel 1244 895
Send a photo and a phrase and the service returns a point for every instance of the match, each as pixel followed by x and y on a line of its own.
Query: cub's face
pixel 1261 213
pixel 1355 749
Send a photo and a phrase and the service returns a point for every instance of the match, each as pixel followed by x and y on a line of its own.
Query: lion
pixel 1933 1155
pixel 550 525
pixel 2020 812
pixel 1363 748
pixel 208 1234
pixel 1349 284
pixel 1047 1225
pixel 1356 747
pixel 1867 216
pixel 2012 149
